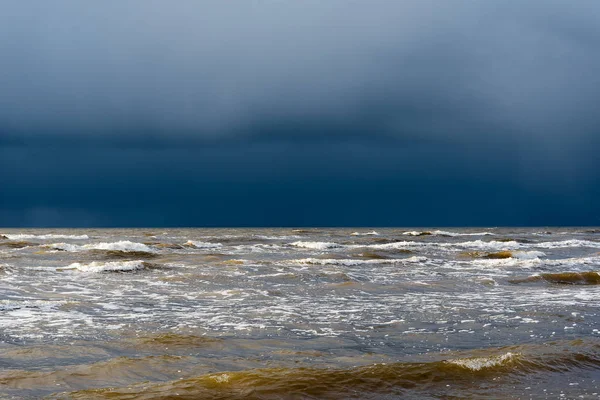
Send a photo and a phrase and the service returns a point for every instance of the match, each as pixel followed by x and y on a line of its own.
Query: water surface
pixel 307 313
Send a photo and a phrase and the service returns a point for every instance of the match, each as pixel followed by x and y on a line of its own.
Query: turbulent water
pixel 311 313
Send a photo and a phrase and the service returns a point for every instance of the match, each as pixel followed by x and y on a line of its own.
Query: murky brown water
pixel 282 313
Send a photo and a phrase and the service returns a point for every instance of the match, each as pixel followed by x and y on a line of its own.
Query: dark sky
pixel 299 113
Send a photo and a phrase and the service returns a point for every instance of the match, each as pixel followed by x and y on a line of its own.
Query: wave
pixel 17 244
pixel 372 233
pixel 565 278
pixel 115 266
pixel 351 262
pixel 374 255
pixel 485 363
pixel 467 377
pixel 454 234
pixel 175 340
pixel 47 305
pixel 446 233
pixel 403 245
pixel 417 233
pixel 123 245
pixel 120 254
pixel 203 245
pixel 489 246
pixel 568 243
pixel 172 246
pixel 44 237
pixel 501 255
pixel 493 245
pixel 476 244
pixel 316 245
pixel 348 262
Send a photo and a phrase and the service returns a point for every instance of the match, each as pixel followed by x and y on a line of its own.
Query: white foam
pixel 348 262
pixel 203 245
pixel 453 234
pixel 481 245
pixel 528 255
pixel 316 245
pixel 45 237
pixel 413 233
pixel 479 363
pixel 397 245
pixel 123 245
pixel 108 266
pixel 10 305
pixel 415 259
pixel 567 243
pixel 446 233
pixel 364 233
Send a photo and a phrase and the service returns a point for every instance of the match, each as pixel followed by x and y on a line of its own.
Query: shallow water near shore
pixel 300 313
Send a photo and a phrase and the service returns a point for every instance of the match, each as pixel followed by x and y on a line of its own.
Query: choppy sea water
pixel 309 313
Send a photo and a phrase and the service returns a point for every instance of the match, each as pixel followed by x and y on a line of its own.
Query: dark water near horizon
pixel 300 314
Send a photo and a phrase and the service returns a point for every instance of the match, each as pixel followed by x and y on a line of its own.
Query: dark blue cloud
pixel 299 113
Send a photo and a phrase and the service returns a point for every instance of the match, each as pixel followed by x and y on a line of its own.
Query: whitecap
pixel 479 363
pixel 527 255
pixel 316 245
pixel 108 266
pixel 123 245
pixel 481 245
pixel 415 259
pixel 203 245
pixel 372 233
pixel 348 262
pixel 445 233
pixel 454 234
pixel 395 245
pixel 568 243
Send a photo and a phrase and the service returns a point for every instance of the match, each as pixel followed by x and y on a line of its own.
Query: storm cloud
pixel 310 112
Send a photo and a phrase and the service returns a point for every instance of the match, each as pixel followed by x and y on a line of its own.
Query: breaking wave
pixel 466 377
pixel 483 363
pixel 116 266
pixel 123 245
pixel 316 245
pixel 348 262
pixel 446 233
pixel 568 243
pixel 203 245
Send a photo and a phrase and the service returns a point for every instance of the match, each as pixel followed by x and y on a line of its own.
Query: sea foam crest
pixel 203 245
pixel 453 234
pixel 480 363
pixel 347 262
pixel 123 245
pixel 45 237
pixel 372 233
pixel 397 245
pixel 568 243
pixel 108 266
pixel 316 245
pixel 528 255
pixel 446 233
pixel 481 245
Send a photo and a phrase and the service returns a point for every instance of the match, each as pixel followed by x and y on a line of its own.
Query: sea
pixel 327 313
